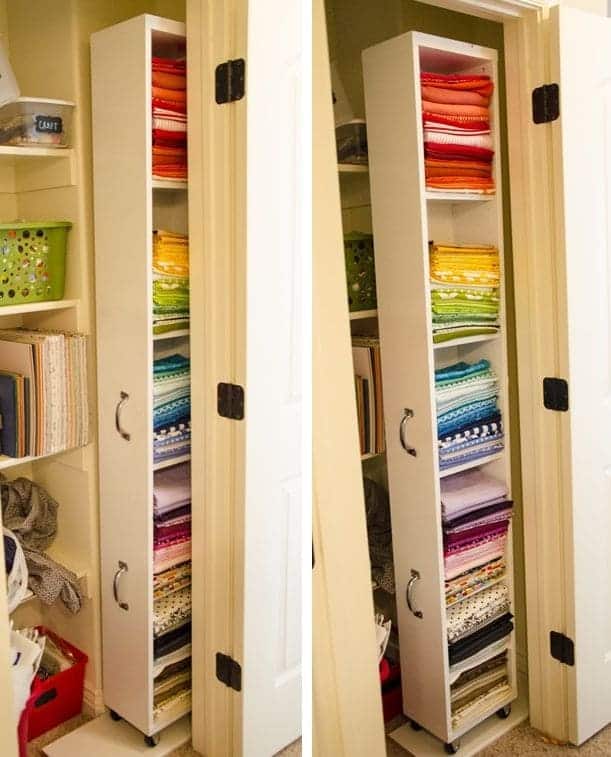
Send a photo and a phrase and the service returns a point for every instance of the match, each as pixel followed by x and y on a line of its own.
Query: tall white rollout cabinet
pixel 129 205
pixel 405 218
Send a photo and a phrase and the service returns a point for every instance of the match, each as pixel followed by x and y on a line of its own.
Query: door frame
pixel 536 212
pixel 216 32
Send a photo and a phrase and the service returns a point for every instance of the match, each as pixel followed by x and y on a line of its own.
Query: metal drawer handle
pixel 115 585
pixel 410 586
pixel 120 403
pixel 407 414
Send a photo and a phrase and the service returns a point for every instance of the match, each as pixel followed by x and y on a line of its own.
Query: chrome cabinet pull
pixel 120 403
pixel 115 585
pixel 407 414
pixel 410 587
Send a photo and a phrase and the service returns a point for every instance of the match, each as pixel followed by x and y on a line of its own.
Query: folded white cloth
pixel 444 138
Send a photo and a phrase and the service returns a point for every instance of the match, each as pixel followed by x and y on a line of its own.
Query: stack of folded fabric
pixel 172 517
pixel 469 425
pixel 479 690
pixel 458 147
pixel 465 282
pixel 170 282
pixel 171 392
pixel 169 119
pixel 172 587
pixel 475 516
pixel 172 442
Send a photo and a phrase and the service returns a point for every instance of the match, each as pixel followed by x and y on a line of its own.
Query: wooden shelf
pixel 471 464
pixel 171 335
pixel 11 462
pixel 458 197
pixel 37 307
pixel 13 153
pixel 362 314
pixel 352 168
pixel 169 184
pixel 371 455
pixel 173 461
pixel 466 340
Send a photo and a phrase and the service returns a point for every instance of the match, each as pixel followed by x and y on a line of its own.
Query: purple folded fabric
pixel 498 511
pixel 466 538
pixel 172 488
pixel 467 491
pixel 179 531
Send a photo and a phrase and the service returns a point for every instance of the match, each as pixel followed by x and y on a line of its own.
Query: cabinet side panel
pixel 123 219
pixel 391 75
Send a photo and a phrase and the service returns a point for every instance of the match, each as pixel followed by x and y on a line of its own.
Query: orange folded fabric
pixel 453 96
pixel 175 95
pixel 437 167
pixel 458 111
pixel 169 81
pixel 478 83
pixel 461 182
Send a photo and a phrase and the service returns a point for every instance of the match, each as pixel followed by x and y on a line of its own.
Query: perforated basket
pixel 32 261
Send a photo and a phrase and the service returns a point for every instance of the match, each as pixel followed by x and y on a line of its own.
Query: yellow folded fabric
pixel 170 254
pixel 475 265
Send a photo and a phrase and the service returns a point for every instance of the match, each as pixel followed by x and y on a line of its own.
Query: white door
pixel 272 581
pixel 581 65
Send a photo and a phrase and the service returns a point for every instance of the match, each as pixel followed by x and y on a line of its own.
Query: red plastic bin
pixel 55 700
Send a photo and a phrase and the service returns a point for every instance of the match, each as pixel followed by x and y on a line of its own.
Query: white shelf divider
pixel 37 307
pixel 169 184
pixel 172 462
pixel 180 334
pixel 363 314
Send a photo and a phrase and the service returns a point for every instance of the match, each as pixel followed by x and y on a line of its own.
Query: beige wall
pixel 57 66
pixel 354 25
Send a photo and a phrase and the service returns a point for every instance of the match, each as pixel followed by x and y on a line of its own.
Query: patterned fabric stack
pixel 172 587
pixel 465 281
pixel 475 516
pixel 171 392
pixel 458 146
pixel 170 282
pixel 169 119
pixel 469 425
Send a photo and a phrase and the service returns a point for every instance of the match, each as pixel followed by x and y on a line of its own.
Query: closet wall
pixel 49 50
pixel 354 25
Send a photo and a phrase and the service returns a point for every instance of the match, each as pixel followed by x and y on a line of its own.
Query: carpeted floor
pixel 524 740
pixel 35 747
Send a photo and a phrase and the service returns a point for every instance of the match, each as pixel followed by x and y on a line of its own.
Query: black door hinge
pixel 228 671
pixel 230 401
pixel 561 648
pixel 546 103
pixel 230 80
pixel 556 394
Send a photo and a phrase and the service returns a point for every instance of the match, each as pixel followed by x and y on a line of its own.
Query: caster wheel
pixel 504 712
pixel 152 740
pixel 452 747
pixel 115 715
pixel 415 726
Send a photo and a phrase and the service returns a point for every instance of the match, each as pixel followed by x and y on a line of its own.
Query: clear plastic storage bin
pixel 33 121
pixel 351 140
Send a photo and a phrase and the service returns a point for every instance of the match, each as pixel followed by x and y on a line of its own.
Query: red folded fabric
pixel 160 102
pixel 461 182
pixel 463 123
pixel 169 81
pixel 169 64
pixel 443 151
pixel 162 136
pixel 173 95
pixel 456 111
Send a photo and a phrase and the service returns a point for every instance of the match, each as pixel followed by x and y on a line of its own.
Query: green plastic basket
pixel 360 271
pixel 32 261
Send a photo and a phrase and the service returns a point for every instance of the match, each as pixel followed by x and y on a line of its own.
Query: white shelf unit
pixel 127 210
pixel 360 315
pixel 405 218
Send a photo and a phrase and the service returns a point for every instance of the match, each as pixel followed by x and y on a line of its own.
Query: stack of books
pixel 43 392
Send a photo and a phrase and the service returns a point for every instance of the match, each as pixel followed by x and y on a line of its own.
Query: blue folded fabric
pixel 471 412
pixel 460 371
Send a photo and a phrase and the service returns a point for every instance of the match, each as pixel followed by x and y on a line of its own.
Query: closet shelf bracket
pixel 228 671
